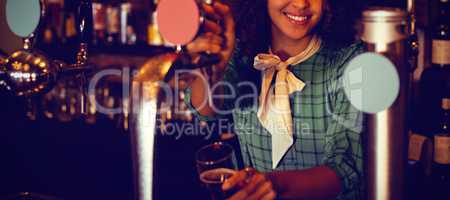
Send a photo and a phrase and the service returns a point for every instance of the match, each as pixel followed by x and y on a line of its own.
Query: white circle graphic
pixel 371 82
pixel 23 16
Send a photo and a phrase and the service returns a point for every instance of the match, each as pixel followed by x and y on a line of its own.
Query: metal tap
pixel 29 72
pixel 413 43
pixel 385 33
pixel 145 102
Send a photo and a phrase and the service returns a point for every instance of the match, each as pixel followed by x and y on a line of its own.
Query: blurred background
pixel 48 147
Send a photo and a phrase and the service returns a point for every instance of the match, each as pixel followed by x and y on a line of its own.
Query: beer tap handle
pixel 413 43
pixel 85 23
pixel 27 72
pixel 28 42
pixel 84 19
pixel 85 26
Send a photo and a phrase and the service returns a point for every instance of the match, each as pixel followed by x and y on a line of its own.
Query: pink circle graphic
pixel 178 20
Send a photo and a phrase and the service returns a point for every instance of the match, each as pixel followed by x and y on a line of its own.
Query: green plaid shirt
pixel 327 128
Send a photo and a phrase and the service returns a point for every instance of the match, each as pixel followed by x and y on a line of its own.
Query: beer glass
pixel 215 164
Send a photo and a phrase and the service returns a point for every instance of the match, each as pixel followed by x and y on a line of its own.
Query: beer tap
pixel 29 72
pixel 413 43
pixel 146 97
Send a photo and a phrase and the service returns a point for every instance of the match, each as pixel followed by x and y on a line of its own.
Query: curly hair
pixel 253 24
pixel 253 30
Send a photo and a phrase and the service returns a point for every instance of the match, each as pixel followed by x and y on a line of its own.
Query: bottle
pixel 441 45
pixel 154 37
pixel 48 35
pixel 418 170
pixel 99 20
pixel 127 32
pixel 113 23
pixel 52 25
pixel 435 80
pixel 441 166
pixel 441 37
pixel 69 32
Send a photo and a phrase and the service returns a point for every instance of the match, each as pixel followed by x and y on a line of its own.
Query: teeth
pixel 296 18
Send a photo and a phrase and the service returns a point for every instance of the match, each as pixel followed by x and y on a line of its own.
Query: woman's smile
pixel 297 19
pixel 294 19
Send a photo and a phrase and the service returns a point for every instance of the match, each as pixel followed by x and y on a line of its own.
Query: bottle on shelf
pixel 127 30
pixel 154 37
pixel 441 165
pixel 48 36
pixel 435 80
pixel 69 32
pixel 420 159
pixel 441 37
pixel 99 21
pixel 52 24
pixel 113 23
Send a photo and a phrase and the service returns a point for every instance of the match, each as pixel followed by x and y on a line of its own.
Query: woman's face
pixel 294 19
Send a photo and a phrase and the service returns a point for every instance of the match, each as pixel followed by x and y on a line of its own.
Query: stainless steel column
pixel 145 92
pixel 385 32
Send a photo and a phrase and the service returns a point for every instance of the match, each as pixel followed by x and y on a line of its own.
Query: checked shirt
pixel 327 128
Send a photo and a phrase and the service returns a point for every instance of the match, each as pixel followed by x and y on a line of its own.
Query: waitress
pixel 280 79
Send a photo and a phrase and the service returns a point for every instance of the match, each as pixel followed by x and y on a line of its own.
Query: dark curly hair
pixel 253 24
pixel 253 29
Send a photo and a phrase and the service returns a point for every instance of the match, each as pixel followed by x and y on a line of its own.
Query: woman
pixel 297 129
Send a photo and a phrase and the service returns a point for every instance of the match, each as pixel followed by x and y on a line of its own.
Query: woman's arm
pixel 314 183
pixel 199 97
pixel 212 41
pixel 340 174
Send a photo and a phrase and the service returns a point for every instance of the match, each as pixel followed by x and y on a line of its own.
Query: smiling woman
pixel 294 53
pixel 301 48
pixel 292 21
pixel 253 26
pixel 332 20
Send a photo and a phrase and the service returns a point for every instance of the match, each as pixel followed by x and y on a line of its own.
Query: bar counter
pixel 78 161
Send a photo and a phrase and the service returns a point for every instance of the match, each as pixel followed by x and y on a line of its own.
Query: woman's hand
pixel 252 185
pixel 216 38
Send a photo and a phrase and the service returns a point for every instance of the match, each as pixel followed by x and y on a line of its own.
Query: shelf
pixel 106 56
pixel 130 50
